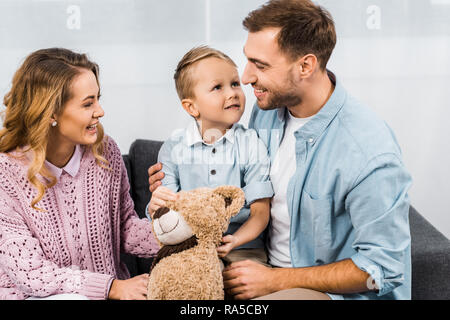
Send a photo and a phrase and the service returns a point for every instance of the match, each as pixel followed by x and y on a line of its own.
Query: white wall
pixel 393 55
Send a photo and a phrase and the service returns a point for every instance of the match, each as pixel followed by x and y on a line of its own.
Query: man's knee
pixel 295 294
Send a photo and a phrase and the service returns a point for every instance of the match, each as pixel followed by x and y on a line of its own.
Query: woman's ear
pixel 53 121
pixel 234 198
pixel 189 106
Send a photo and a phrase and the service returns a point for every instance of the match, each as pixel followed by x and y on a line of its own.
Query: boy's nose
pixel 232 93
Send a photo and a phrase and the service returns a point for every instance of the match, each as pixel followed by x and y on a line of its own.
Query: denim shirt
pixel 239 158
pixel 348 197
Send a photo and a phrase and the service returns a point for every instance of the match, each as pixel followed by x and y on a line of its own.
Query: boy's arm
pixel 168 160
pixel 257 169
pixel 258 192
pixel 167 156
pixel 255 224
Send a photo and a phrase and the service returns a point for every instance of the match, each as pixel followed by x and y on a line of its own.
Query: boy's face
pixel 218 96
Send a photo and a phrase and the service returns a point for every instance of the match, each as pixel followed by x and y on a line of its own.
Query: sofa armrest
pixel 430 252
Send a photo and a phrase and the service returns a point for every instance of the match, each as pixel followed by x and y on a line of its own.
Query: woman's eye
pixel 87 105
pixel 218 87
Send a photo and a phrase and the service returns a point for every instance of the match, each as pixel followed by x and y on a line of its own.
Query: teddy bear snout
pixel 171 228
pixel 168 221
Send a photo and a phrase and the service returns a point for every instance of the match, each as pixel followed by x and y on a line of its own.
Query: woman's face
pixel 78 122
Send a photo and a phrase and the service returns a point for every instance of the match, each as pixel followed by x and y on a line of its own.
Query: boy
pixel 215 150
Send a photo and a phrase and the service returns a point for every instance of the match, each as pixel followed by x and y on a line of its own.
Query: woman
pixel 65 209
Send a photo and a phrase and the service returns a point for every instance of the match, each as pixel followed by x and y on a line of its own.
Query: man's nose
pixel 248 76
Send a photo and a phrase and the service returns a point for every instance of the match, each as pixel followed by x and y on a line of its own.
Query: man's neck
pixel 317 92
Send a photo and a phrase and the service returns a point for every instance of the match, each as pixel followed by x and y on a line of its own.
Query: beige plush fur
pixel 194 274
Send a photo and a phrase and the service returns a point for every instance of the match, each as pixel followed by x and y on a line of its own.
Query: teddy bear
pixel 189 230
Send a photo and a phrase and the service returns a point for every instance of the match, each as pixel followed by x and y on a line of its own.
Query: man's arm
pixel 247 279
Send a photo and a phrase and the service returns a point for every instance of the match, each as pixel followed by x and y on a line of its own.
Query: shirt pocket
pixel 319 212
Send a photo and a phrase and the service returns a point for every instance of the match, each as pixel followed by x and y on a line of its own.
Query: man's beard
pixel 290 97
pixel 281 100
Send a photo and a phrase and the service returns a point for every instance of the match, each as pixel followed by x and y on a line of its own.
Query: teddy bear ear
pixel 234 198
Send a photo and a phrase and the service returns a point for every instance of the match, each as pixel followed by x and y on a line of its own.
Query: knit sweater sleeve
pixel 25 264
pixel 136 234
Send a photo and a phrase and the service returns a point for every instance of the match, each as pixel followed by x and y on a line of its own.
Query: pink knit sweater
pixel 75 246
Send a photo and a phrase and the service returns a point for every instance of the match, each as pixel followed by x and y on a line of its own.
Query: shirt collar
pixel 193 134
pixel 320 121
pixel 72 167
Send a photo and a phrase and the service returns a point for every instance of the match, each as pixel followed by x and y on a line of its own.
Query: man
pixel 339 218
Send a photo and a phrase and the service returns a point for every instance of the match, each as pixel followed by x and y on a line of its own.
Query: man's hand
pixel 248 279
pixel 155 175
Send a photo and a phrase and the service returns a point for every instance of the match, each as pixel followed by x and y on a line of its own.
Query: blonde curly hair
pixel 40 90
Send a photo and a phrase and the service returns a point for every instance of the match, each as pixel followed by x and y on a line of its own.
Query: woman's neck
pixel 59 154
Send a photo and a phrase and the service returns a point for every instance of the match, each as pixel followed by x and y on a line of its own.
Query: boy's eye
pixel 217 87
pixel 236 84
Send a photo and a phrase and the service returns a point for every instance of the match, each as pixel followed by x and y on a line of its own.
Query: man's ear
pixel 189 106
pixel 307 65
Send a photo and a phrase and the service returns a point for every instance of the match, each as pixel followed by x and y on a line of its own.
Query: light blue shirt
pixel 239 158
pixel 348 197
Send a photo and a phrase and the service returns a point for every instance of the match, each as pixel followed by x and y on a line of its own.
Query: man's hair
pixel 184 82
pixel 305 27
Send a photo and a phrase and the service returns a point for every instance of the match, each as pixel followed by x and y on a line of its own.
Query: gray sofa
pixel 430 249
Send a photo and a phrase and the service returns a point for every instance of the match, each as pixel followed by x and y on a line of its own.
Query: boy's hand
pixel 228 244
pixel 155 175
pixel 159 198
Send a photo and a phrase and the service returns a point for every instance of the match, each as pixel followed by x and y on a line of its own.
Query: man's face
pixel 270 72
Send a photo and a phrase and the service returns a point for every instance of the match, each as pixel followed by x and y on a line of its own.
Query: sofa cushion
pixel 430 258
pixel 143 154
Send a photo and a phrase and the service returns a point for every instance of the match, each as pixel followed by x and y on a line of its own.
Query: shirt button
pixel 213 172
pixel 311 140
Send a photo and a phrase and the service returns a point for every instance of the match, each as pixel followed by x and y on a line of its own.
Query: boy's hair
pixel 305 27
pixel 184 82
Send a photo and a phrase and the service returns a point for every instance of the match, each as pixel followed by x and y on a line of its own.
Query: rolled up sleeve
pixel 256 174
pixel 378 205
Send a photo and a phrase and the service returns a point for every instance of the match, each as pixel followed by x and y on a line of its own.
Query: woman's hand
pixel 131 289
pixel 159 198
